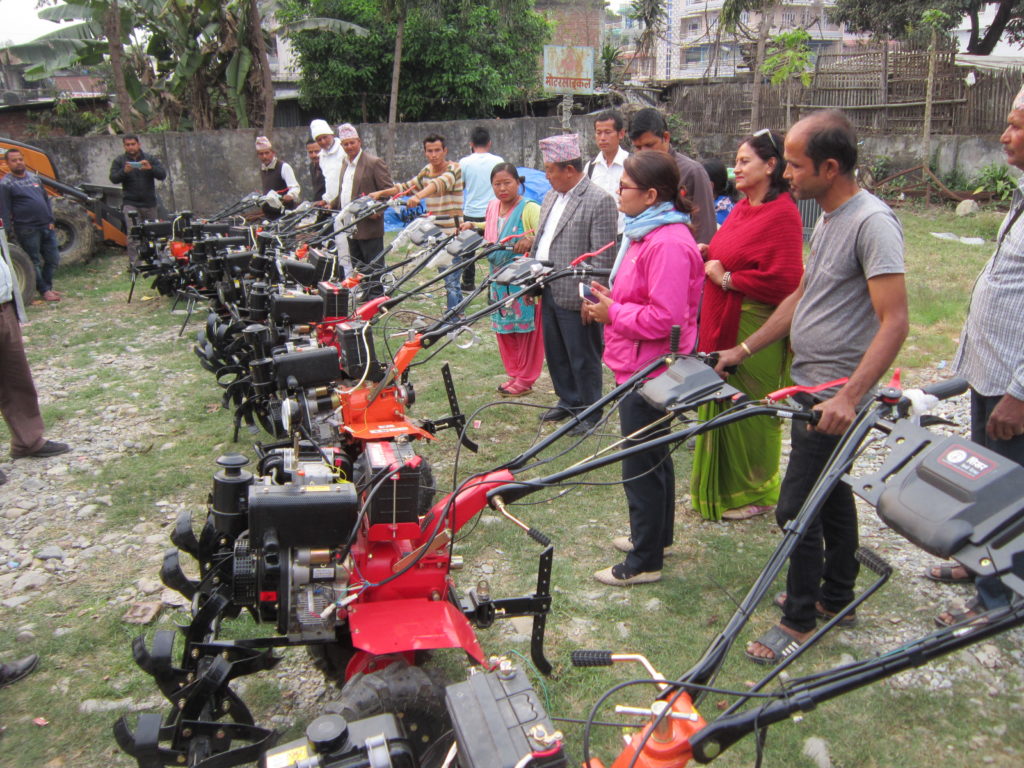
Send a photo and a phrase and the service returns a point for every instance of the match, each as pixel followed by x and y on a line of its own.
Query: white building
pixel 694 43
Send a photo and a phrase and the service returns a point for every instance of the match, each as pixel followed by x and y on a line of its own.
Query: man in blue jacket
pixel 25 208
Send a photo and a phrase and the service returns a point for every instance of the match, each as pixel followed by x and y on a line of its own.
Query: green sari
pixel 738 464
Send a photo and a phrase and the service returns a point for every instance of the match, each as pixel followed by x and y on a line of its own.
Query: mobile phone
pixel 135 163
pixel 587 295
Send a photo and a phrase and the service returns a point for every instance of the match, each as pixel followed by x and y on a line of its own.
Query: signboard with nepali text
pixel 568 69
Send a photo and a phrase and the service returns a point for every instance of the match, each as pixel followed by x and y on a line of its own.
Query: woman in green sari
pixel 753 262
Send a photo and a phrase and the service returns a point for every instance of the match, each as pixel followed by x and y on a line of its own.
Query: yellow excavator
pixel 85 216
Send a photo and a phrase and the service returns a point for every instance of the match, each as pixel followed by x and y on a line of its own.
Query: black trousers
pixel 368 257
pixel 822 567
pixel 573 353
pixel 990 589
pixel 650 483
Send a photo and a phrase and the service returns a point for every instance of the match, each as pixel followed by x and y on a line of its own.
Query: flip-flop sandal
pixel 745 513
pixel 514 390
pixel 945 574
pixel 847 622
pixel 781 644
pixel 972 610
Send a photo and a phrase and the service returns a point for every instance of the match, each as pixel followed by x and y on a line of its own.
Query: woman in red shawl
pixel 753 262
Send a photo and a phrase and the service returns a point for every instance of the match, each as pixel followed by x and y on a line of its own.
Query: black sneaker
pixel 46 450
pixel 12 673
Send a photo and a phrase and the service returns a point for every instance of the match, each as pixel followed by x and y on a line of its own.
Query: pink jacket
pixel 657 286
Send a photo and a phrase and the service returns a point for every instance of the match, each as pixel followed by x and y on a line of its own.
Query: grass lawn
pixel 123 371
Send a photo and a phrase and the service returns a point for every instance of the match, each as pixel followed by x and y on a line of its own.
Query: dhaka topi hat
pixel 319 128
pixel 262 143
pixel 561 148
pixel 1018 100
pixel 347 131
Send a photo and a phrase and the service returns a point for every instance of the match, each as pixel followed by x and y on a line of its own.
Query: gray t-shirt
pixel 834 322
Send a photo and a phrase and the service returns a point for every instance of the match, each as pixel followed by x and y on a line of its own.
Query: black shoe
pixel 12 673
pixel 47 449
pixel 558 413
pixel 582 428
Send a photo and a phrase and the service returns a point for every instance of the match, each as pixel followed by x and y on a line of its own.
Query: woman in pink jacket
pixel 655 284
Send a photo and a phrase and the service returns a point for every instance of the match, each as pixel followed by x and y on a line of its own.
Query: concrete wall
pixel 209 170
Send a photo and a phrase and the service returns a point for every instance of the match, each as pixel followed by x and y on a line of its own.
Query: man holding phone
pixel 137 172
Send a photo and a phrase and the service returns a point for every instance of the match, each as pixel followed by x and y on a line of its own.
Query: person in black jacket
pixel 137 172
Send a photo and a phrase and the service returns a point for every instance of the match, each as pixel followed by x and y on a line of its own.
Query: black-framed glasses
pixel 623 186
pixel 768 132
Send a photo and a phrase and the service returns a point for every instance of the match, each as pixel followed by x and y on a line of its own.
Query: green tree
pixel 787 60
pixel 457 61
pixel 182 63
pixel 98 28
pixel 889 19
pixel 934 21
pixel 611 60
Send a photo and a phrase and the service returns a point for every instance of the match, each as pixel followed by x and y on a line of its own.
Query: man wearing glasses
pixel 648 130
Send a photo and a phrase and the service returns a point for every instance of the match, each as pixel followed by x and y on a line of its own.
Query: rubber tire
pixel 24 271
pixel 332 659
pixel 76 236
pixel 405 691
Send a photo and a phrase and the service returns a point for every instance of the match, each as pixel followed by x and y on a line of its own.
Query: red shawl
pixel 762 246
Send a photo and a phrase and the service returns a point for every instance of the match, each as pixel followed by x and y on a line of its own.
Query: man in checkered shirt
pixel 991 356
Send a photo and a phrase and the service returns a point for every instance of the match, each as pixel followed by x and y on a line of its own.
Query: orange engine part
pixel 668 746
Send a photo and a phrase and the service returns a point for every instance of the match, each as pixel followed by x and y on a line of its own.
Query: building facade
pixel 695 43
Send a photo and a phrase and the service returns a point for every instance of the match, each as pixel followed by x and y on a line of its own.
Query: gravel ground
pixel 52 535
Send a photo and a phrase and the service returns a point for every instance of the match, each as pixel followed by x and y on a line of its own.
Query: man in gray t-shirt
pixel 835 321
pixel 847 318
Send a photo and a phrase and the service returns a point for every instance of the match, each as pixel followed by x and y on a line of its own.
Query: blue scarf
pixel 638 227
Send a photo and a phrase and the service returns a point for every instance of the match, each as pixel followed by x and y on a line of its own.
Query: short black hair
pixel 576 162
pixel 12 149
pixel 311 141
pixel 647 120
pixel 129 137
pixel 480 137
pixel 611 114
pixel 719 176
pixel 832 137
pixel 434 137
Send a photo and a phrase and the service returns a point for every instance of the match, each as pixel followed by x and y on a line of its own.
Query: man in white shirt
pixel 476 187
pixel 362 174
pixel 278 177
pixel 331 158
pixel 606 169
pixel 576 218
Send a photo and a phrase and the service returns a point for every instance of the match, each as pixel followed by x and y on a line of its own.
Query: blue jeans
pixel 41 247
pixel 453 287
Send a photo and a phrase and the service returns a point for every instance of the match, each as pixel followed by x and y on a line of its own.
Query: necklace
pixel 503 211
